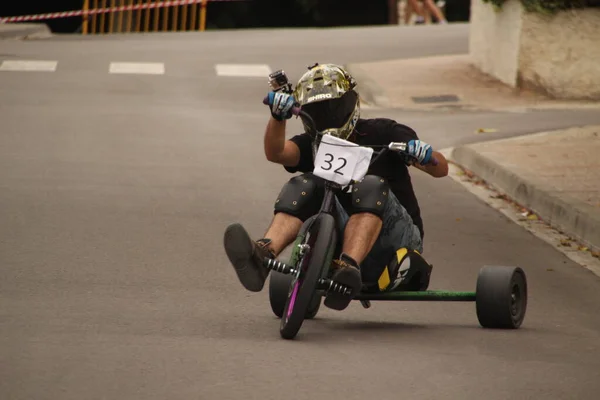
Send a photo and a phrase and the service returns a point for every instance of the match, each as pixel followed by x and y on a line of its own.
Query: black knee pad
pixel 370 195
pixel 301 196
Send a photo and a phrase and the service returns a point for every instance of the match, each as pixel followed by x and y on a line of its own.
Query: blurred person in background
pixel 430 6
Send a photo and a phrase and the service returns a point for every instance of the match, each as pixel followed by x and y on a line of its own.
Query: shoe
pixel 347 272
pixel 247 257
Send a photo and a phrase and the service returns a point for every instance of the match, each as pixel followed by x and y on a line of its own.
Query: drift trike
pixel 297 286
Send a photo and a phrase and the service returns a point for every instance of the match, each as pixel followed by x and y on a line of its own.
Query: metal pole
pixel 194 13
pixel 165 17
pixel 111 22
pixel 95 17
pixel 203 15
pixel 102 17
pixel 120 27
pixel 184 17
pixel 155 13
pixel 129 16
pixel 86 7
pixel 147 18
pixel 174 21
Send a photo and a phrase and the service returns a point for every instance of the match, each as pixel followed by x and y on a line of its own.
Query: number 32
pixel 337 170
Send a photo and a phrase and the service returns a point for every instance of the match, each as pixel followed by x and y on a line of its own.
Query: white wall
pixel 494 39
pixel 558 55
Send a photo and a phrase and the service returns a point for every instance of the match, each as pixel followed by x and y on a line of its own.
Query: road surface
pixel 116 189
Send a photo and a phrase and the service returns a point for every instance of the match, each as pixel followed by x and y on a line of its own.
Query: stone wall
pixel 558 55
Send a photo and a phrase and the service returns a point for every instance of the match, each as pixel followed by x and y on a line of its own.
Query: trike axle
pixel 326 285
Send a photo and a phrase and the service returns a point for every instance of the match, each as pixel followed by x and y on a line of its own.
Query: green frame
pixel 426 295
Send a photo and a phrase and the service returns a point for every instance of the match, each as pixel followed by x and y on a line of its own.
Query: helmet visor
pixel 332 114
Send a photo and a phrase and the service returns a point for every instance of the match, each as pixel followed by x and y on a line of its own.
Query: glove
pixel 420 150
pixel 281 105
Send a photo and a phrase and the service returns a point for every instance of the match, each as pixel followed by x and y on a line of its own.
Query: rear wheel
pixel 320 238
pixel 501 297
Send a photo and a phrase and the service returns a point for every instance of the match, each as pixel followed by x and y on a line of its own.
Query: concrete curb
pixel 24 31
pixel 369 91
pixel 576 219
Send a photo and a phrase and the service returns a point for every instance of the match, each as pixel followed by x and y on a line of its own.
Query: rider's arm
pixel 277 149
pixel 403 133
pixel 438 171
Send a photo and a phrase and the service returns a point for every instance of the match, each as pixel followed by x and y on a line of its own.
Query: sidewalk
pixel 555 175
pixel 443 83
pixel 24 31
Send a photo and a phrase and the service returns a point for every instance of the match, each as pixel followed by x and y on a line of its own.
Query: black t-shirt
pixel 377 131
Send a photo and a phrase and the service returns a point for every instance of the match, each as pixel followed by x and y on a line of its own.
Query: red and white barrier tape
pixel 77 13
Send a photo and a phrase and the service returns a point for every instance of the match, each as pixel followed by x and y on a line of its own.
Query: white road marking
pixel 245 70
pixel 28 65
pixel 136 68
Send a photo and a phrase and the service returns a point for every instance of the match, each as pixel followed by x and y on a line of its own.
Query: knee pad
pixel 370 195
pixel 301 197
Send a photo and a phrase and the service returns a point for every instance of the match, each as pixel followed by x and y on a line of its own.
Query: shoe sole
pixel 239 249
pixel 339 301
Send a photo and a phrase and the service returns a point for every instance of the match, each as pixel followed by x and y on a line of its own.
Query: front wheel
pixel 279 288
pixel 320 238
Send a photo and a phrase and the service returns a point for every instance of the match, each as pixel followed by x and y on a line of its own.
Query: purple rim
pixel 293 298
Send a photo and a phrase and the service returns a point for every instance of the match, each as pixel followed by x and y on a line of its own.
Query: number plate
pixel 341 161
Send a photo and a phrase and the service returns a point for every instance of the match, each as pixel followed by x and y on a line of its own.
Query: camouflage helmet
pixel 326 92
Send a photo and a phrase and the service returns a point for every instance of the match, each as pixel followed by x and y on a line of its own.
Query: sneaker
pixel 247 257
pixel 347 272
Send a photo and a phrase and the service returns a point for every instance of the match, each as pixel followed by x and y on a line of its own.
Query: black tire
pixel 501 297
pixel 313 308
pixel 279 288
pixel 321 237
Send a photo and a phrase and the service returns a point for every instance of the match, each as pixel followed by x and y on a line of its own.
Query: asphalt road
pixel 116 189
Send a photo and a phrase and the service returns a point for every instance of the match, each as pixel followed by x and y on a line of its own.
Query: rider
pixel 378 215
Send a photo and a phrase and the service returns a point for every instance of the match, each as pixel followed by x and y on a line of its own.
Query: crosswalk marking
pixel 136 68
pixel 245 70
pixel 28 65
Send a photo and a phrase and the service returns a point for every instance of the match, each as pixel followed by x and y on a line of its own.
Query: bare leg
pixel 435 10
pixel 409 10
pixel 283 231
pixel 413 6
pixel 360 235
pixel 247 256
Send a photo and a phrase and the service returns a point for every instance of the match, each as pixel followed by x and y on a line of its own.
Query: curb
pixel 369 91
pixel 576 219
pixel 24 31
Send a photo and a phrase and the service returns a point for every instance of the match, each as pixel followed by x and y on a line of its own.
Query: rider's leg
pixel 435 10
pixel 299 199
pixel 360 234
pixel 398 232
pixel 282 232
pixel 368 202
